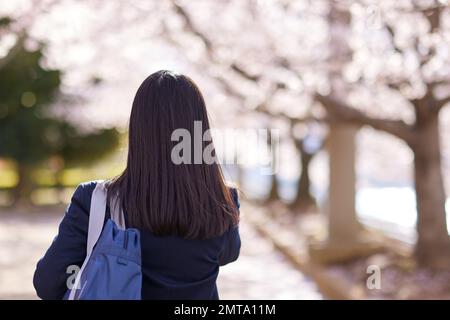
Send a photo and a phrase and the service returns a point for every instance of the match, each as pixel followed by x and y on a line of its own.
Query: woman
pixel 187 216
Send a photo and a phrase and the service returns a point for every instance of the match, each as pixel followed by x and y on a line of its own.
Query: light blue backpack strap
pixel 96 220
pixel 116 212
pixel 96 216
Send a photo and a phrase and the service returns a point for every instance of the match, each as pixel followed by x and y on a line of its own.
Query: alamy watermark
pixel 198 147
pixel 72 271
pixel 374 279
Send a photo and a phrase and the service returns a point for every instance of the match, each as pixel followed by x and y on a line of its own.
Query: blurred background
pixel 356 90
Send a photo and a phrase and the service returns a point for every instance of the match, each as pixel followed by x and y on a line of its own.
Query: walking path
pixel 260 273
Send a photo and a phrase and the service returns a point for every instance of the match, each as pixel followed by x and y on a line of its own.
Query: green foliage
pixel 87 148
pixel 28 133
pixel 26 89
pixel 5 21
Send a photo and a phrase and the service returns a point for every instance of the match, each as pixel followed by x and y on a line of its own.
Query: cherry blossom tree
pixel 386 67
pixel 389 63
pixel 407 69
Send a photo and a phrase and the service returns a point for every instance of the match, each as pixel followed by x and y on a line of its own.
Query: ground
pixel 260 273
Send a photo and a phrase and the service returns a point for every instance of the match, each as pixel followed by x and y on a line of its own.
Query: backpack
pixel 112 268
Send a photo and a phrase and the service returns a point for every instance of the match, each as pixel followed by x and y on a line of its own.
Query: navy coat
pixel 172 267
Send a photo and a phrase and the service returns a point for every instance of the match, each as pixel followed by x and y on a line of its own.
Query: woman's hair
pixel 189 200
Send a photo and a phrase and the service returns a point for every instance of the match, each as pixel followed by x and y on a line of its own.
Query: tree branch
pixel 442 102
pixel 344 113
pixel 239 70
pixel 391 32
pixel 228 88
pixel 433 15
pixel 244 73
pixel 209 45
pixel 190 25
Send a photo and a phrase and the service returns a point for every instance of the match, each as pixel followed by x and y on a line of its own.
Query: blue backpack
pixel 112 268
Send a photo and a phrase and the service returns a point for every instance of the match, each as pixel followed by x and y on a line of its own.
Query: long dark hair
pixel 158 195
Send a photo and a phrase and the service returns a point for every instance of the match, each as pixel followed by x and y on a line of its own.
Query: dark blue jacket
pixel 172 267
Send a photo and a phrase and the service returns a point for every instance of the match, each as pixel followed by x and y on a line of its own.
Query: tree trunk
pixel 304 201
pixel 273 194
pixel 433 243
pixel 24 187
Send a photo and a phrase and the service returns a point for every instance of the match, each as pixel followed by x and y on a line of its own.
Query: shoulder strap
pixel 96 220
pixel 116 212
pixel 96 216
